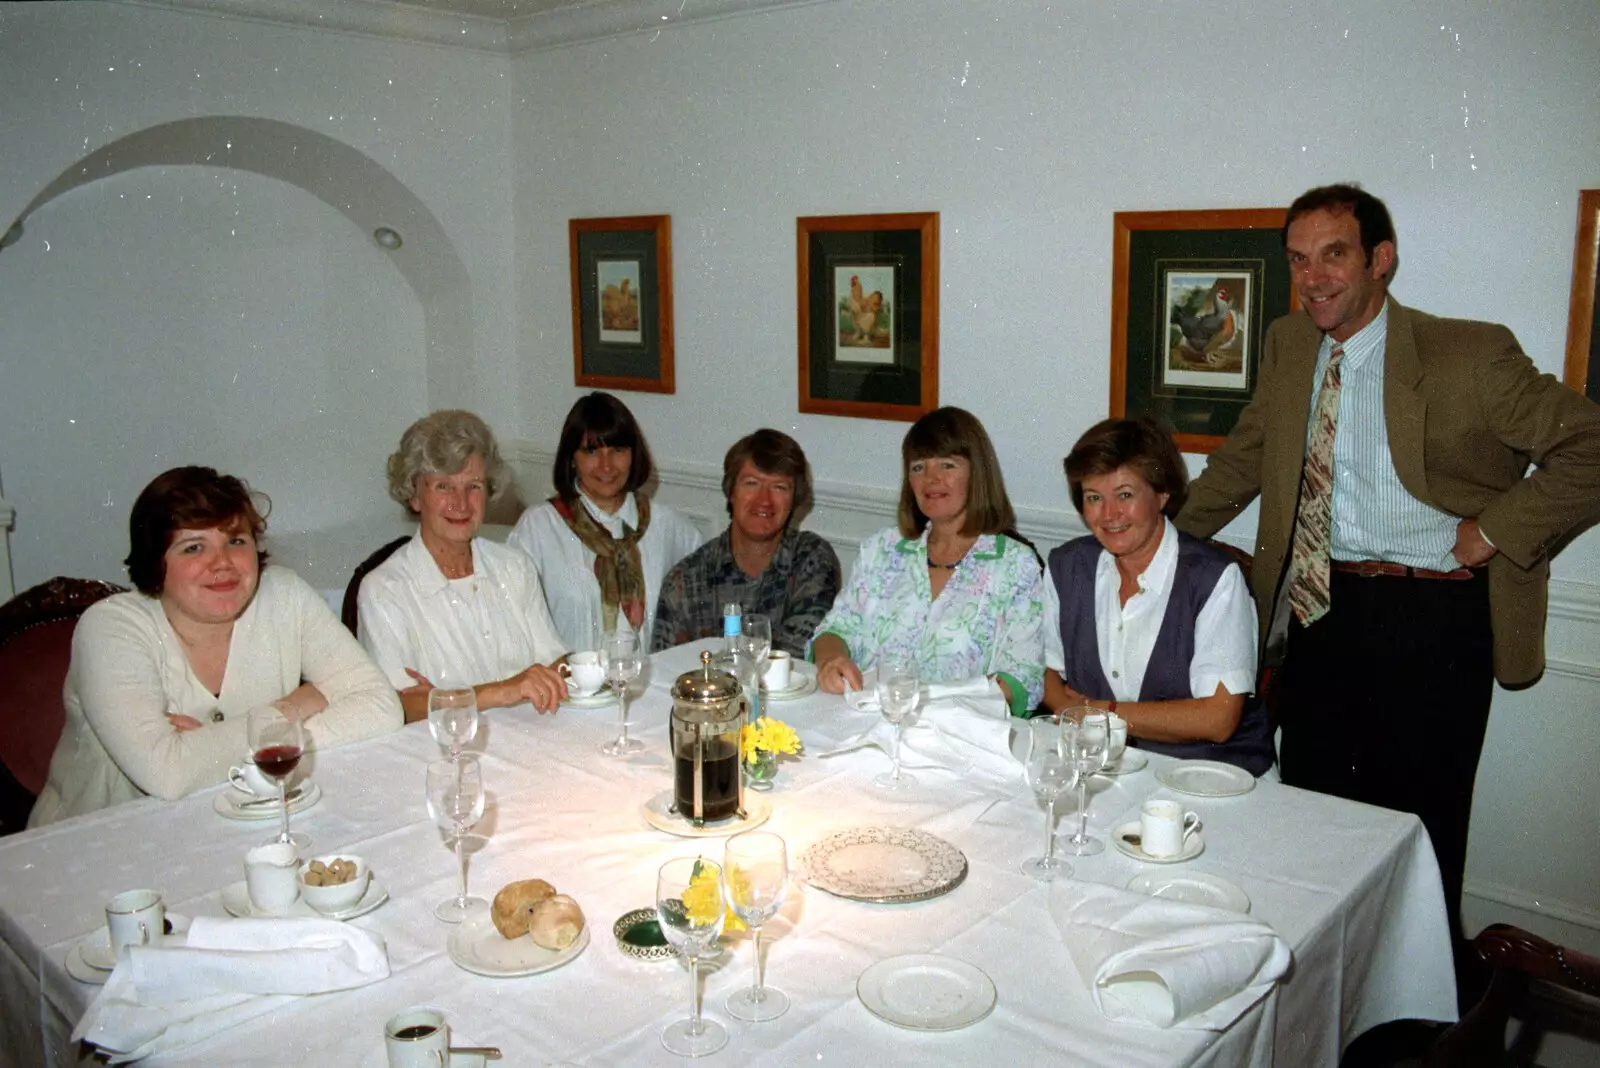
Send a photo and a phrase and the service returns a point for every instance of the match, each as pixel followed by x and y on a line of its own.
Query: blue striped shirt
pixel 1374 516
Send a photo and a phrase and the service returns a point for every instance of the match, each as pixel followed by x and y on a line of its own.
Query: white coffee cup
pixel 135 918
pixel 271 876
pixel 1164 827
pixel 775 675
pixel 249 778
pixel 584 673
pixel 417 1037
pixel 1119 734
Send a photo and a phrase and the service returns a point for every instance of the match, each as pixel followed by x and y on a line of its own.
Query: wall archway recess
pixel 347 180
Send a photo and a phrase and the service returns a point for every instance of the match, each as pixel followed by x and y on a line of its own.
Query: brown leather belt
pixel 1374 568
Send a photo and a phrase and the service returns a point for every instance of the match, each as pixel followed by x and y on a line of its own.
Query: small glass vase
pixel 759 775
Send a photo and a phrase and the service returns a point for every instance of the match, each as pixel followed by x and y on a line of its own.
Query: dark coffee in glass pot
pixel 708 711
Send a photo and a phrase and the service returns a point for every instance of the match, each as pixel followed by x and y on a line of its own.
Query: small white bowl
pixel 328 899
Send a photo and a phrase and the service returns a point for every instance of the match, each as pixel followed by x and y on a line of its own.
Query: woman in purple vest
pixel 1145 620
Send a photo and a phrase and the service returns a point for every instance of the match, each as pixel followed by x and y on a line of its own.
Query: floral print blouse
pixel 988 619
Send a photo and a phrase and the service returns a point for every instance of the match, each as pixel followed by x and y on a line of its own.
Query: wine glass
pixel 619 654
pixel 755 876
pixel 898 688
pixel 1086 745
pixel 455 801
pixel 276 743
pixel 691 912
pixel 453 718
pixel 1050 774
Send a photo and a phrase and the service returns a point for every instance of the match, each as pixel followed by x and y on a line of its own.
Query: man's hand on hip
pixel 1472 549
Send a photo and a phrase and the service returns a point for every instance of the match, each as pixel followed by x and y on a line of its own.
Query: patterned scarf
pixel 616 560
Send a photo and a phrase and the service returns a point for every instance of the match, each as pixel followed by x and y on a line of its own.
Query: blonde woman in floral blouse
pixel 954 587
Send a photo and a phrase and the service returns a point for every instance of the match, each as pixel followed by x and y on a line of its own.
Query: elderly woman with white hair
pixel 449 608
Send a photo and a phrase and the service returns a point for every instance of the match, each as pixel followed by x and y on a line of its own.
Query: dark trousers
pixel 1385 700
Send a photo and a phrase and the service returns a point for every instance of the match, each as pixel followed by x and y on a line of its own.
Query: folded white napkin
pixel 961 727
pixel 166 997
pixel 1166 963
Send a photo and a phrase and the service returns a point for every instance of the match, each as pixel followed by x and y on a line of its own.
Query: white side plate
pixel 926 992
pixel 478 947
pixel 236 902
pixel 1193 846
pixel 1206 778
pixel 232 803
pixel 1192 887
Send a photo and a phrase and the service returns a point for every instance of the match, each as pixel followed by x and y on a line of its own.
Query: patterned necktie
pixel 1313 526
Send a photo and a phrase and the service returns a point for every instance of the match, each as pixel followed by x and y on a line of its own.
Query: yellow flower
pixel 701 898
pixel 771 735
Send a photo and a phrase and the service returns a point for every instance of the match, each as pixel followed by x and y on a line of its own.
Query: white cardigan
pixel 129 670
pixel 566 568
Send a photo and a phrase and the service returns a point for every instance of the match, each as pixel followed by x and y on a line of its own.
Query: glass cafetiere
pixel 708 710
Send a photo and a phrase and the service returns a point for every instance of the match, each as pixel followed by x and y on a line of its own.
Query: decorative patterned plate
pixel 478 947
pixel 884 864
pixel 1193 887
pixel 237 805
pixel 926 992
pixel 1206 778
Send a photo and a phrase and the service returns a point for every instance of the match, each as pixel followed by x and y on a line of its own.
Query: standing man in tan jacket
pixel 1401 559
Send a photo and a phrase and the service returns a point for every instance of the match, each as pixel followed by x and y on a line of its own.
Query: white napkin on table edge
pixel 1166 963
pixel 229 970
pixel 960 727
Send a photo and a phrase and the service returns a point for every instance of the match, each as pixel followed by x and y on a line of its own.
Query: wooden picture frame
pixel 1192 293
pixel 868 314
pixel 622 302
pixel 1583 320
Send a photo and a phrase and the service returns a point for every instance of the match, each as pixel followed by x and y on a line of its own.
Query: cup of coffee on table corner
pixel 584 673
pixel 1164 827
pixel 135 918
pixel 775 673
pixel 417 1037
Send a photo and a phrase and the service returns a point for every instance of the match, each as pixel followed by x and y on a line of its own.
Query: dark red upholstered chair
pixel 35 648
pixel 1543 985
pixel 349 613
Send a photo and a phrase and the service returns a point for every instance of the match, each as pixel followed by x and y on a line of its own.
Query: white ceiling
pixel 504 26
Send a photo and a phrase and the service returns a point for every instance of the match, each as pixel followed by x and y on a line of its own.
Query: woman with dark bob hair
pixel 161 678
pixel 601 547
pixel 953 587
pixel 1144 620
pixel 449 608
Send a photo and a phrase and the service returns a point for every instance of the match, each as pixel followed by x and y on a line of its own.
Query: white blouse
pixel 456 632
pixel 567 568
pixel 129 670
pixel 1225 633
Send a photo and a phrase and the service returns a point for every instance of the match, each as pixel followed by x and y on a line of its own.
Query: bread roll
pixel 556 922
pixel 513 904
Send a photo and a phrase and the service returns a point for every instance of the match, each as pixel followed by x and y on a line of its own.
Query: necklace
pixel 946 567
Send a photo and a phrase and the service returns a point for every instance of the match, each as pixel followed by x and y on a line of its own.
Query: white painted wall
pixel 1026 124
pixel 207 314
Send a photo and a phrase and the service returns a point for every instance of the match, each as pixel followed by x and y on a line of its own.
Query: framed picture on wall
pixel 1192 293
pixel 1583 322
pixel 622 302
pixel 869 314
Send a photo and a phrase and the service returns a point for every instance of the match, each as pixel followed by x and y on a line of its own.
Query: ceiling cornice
pixel 401 21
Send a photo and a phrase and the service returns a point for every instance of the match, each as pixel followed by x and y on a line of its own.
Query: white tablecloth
pixel 1354 890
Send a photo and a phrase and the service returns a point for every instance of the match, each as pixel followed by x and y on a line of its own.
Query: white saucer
pixel 802 683
pixel 379 1058
pixel 478 947
pixel 90 959
pixel 1193 846
pixel 231 803
pixel 757 810
pixel 1131 760
pixel 1206 778
pixel 599 699
pixel 236 902
pixel 1193 887
pixel 925 992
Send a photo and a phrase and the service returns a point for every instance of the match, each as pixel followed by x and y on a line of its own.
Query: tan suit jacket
pixel 1466 413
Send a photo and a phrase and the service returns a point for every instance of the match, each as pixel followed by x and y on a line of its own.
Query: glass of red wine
pixel 276 742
